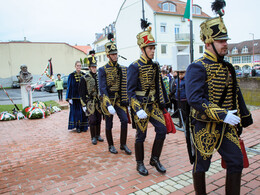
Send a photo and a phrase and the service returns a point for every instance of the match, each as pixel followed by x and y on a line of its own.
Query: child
pixel 59 87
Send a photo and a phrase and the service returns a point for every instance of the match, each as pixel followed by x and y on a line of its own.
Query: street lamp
pixel 253 48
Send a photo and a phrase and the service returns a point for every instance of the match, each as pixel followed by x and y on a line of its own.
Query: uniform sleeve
pixel 69 88
pixel 132 79
pixel 195 92
pixel 83 91
pixel 103 87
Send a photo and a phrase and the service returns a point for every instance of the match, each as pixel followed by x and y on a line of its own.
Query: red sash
pixel 168 121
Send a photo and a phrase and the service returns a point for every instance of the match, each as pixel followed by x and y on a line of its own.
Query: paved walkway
pixel 42 157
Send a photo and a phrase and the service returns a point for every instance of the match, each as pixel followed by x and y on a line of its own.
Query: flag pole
pixel 191 42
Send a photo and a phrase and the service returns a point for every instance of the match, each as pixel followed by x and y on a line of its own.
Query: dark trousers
pixel 155 116
pixel 60 94
pixel 95 118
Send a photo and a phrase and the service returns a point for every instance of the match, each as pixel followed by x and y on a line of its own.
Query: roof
pixel 84 48
pixel 248 44
pixel 180 7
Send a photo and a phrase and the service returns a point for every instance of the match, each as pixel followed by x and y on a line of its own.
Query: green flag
pixel 188 10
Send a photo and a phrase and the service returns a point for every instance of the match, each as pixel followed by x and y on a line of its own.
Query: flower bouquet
pixel 6 116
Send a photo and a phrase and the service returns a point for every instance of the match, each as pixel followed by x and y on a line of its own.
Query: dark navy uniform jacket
pixel 205 82
pixel 142 76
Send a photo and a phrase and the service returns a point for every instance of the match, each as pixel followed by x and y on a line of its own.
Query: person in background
pixel 59 87
pixel 165 79
pixel 172 86
pixel 181 98
pixel 77 118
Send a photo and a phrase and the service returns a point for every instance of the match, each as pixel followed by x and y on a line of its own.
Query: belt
pixel 142 93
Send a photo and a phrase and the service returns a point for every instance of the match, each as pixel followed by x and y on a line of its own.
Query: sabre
pixel 10 98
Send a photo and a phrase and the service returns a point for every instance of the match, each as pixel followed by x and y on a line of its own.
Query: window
pixel 201 48
pixel 163 27
pixel 176 29
pixel 226 58
pixel 163 49
pixel 196 10
pixel 236 60
pixel 99 58
pixel 234 51
pixel 104 58
pixel 172 7
pixel 245 49
pixel 169 7
pixel 246 59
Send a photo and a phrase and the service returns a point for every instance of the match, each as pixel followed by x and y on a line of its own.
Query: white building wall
pixel 128 26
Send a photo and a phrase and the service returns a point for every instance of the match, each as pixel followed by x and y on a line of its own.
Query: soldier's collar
pixel 144 60
pixel 111 63
pixel 209 55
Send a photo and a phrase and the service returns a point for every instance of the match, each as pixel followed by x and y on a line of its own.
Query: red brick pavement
pixel 42 157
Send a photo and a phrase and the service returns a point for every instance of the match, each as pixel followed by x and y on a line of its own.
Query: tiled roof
pixel 84 48
pixel 180 7
pixel 248 44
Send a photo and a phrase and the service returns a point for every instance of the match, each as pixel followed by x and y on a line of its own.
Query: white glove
pixel 231 118
pixel 141 114
pixel 70 101
pixel 111 110
pixel 84 108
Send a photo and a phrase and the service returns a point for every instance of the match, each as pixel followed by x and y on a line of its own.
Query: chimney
pixel 24 39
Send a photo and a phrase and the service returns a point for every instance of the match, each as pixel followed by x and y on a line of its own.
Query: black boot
pixel 233 183
pixel 123 137
pixel 156 153
pixel 78 130
pixel 99 138
pixel 139 156
pixel 199 183
pixel 93 134
pixel 110 142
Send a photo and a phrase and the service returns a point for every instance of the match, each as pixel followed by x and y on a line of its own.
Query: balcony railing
pixel 182 37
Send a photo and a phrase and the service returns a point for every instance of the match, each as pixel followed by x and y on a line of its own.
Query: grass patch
pixel 10 107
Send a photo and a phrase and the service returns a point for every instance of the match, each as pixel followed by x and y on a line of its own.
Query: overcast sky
pixel 77 21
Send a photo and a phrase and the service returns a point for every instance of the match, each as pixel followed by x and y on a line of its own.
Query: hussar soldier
pixel 112 86
pixel 218 110
pixel 88 90
pixel 148 97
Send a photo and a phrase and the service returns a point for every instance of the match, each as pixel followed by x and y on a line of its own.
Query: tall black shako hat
pixel 91 58
pixel 110 47
pixel 214 29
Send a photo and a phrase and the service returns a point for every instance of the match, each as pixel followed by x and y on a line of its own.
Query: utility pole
pixel 253 48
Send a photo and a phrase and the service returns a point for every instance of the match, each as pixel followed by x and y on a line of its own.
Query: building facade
pixel 99 44
pixel 170 30
pixel 244 55
pixel 36 55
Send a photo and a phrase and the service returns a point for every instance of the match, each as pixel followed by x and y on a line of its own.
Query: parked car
pixel 239 73
pixel 15 84
pixel 40 85
pixel 50 87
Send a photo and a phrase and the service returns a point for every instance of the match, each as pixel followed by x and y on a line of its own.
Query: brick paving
pixel 43 157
